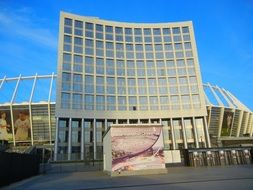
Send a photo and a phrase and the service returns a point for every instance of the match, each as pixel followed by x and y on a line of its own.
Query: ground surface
pixel 213 178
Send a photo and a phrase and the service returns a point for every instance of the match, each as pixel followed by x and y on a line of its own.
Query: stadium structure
pixel 122 73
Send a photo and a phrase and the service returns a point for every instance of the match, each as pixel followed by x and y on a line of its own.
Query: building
pixel 112 72
pixel 122 73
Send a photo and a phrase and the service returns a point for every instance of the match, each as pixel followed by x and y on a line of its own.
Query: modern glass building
pixel 113 72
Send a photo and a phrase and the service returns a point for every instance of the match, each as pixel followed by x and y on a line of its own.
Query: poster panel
pixel 22 125
pixel 137 148
pixel 227 123
pixel 5 125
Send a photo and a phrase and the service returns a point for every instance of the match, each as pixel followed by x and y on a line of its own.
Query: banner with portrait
pixel 22 125
pixel 5 125
pixel 227 123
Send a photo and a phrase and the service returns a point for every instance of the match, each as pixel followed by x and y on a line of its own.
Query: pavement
pixel 225 177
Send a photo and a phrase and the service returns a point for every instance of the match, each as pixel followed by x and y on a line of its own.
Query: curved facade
pixel 112 72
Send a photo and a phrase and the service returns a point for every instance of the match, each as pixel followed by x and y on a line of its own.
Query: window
pixel 100 101
pixel 157 31
pixel 89 26
pixel 190 62
pixel 65 100
pixel 187 45
pixel 166 31
pixel 99 28
pixel 68 22
pixel 185 29
pixel 176 30
pixel 121 103
pixel 109 29
pixel 89 102
pixel 77 101
pixel 128 31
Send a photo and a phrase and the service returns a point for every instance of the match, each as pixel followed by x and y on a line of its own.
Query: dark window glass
pixel 89 26
pixel 157 31
pixel 99 27
pixel 185 29
pixel 147 31
pixel 78 24
pixel 109 29
pixel 68 22
pixel 137 31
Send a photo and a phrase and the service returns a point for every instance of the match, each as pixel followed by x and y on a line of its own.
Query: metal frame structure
pixel 29 102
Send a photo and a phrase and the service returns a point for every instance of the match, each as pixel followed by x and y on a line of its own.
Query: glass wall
pixel 137 68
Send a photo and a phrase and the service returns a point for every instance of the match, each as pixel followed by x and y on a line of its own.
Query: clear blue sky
pixel 223 31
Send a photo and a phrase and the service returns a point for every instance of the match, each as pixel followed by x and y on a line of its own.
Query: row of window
pixel 129 39
pixel 121 81
pixel 78 59
pixel 128 46
pixel 131 90
pixel 130 72
pixel 132 102
pixel 126 30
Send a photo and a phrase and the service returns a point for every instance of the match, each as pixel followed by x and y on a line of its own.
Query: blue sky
pixel 223 32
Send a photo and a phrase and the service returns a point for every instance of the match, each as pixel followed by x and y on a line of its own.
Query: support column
pixel 69 142
pixel 31 123
pixel 239 123
pixel 184 133
pixel 56 139
pixel 246 123
pixel 207 134
pixel 196 138
pixel 82 139
pixel 172 135
pixel 220 121
pixel 94 140
pixel 251 126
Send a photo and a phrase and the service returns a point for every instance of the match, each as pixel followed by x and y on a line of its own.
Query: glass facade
pixel 135 62
pixel 126 74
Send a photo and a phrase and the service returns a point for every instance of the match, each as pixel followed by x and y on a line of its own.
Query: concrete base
pixel 137 172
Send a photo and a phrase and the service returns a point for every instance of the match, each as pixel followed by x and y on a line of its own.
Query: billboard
pixel 22 125
pixel 137 148
pixel 227 123
pixel 5 125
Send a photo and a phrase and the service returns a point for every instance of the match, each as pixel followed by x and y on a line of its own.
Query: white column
pixel 49 109
pixel 11 103
pixel 2 82
pixel 94 140
pixel 56 138
pixel 69 141
pixel 239 123
pixel 196 138
pixel 172 135
pixel 251 126
pixel 246 123
pixel 31 123
pixel 220 121
pixel 207 134
pixel 184 133
pixel 30 106
pixel 82 139
pixel 12 125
